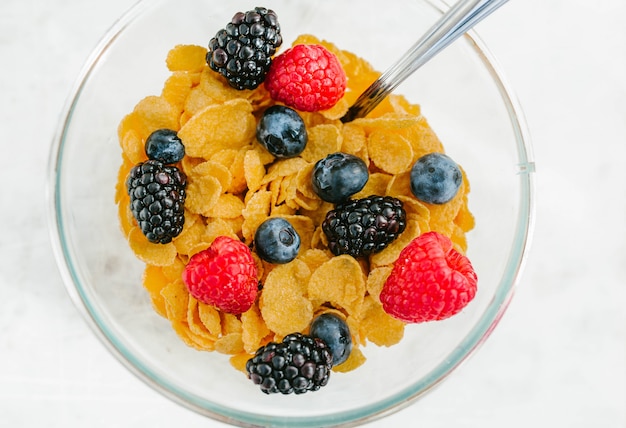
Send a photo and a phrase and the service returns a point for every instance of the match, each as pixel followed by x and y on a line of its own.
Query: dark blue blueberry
pixel 333 331
pixel 282 132
pixel 165 146
pixel 435 178
pixel 339 176
pixel 276 241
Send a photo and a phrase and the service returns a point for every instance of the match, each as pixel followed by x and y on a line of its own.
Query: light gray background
pixel 556 359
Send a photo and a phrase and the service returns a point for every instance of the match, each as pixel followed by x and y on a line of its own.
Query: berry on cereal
pixel 224 275
pixel 242 51
pixel 333 330
pixel 157 196
pixel 338 176
pixel 298 364
pixel 429 281
pixel 364 226
pixel 282 132
pixel 165 146
pixel 276 241
pixel 307 78
pixel 435 178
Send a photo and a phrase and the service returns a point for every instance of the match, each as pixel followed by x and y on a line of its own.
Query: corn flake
pixel 422 138
pixel 154 281
pixel 207 132
pixel 174 270
pixel 177 88
pixel 133 147
pixel 240 360
pixel 214 169
pixel 283 302
pixel 253 170
pixel 196 326
pixel 377 184
pixel 227 206
pixel 392 251
pixel 196 101
pixel 176 299
pixel 379 327
pixel 203 192
pixel 149 253
pixel 354 361
pixel 253 329
pixel 256 211
pixel 189 58
pixel 304 226
pixel 214 86
pixel 230 344
pixel 340 281
pixel 237 170
pixel 323 140
pixel 390 151
pixel 155 112
pixel 376 280
pixel 125 216
pixel 210 319
pixel 314 258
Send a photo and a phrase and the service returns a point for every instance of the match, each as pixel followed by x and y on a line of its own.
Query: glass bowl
pixel 461 93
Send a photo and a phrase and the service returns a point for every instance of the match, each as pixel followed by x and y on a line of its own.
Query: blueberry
pixel 339 176
pixel 276 241
pixel 282 132
pixel 435 178
pixel 334 331
pixel 165 146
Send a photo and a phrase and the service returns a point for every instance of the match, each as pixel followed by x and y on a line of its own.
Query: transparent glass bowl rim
pixel 479 334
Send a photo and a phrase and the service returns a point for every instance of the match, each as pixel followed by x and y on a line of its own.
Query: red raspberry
pixel 224 275
pixel 429 281
pixel 307 78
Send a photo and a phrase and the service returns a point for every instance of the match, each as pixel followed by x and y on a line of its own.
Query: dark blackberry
pixel 157 196
pixel 298 364
pixel 243 50
pixel 364 226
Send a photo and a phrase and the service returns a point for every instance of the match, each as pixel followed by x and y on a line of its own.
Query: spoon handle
pixel 454 23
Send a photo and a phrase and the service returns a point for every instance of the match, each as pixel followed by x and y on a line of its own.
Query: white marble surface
pixel 556 359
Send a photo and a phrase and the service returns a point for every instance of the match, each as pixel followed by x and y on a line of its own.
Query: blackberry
pixel 364 226
pixel 157 196
pixel 242 51
pixel 298 364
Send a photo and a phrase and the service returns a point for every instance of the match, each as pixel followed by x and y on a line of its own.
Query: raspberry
pixel 307 78
pixel 224 275
pixel 429 281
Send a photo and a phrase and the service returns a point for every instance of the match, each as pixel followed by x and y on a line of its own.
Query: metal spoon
pixel 454 23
